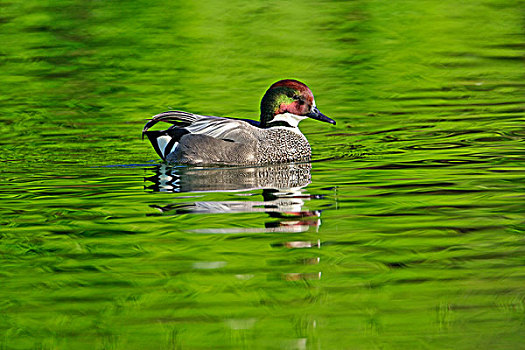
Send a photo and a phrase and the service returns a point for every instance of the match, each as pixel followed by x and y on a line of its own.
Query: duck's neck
pixel 285 119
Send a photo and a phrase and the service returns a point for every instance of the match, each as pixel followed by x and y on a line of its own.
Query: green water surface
pixel 405 232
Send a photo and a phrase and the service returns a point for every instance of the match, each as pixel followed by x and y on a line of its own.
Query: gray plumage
pixel 205 140
pixel 216 140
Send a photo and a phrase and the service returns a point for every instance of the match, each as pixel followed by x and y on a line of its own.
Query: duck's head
pixel 287 102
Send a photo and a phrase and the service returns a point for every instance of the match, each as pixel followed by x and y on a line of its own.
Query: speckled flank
pixel 274 145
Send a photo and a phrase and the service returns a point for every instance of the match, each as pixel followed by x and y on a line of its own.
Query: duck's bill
pixel 315 114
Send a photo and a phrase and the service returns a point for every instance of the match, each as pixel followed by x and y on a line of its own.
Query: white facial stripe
pixel 292 119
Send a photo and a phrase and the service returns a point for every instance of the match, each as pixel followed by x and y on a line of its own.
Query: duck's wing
pixel 177 118
pixel 216 127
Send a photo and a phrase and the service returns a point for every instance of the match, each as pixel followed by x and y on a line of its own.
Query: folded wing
pixel 226 129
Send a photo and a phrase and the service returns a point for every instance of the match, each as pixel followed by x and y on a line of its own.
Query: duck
pixel 199 140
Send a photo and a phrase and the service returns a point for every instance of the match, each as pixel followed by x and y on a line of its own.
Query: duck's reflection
pixel 282 186
pixel 284 195
pixel 278 177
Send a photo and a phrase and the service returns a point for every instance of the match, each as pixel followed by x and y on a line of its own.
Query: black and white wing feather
pixel 217 127
pixel 227 129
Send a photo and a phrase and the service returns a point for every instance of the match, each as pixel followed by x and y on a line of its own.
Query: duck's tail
pixel 165 141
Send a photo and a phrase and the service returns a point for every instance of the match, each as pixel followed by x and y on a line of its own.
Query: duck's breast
pixel 282 145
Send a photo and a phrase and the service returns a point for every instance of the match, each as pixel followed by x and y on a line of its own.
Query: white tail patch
pixel 172 149
pixel 163 142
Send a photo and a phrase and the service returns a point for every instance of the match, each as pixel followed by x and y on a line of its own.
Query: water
pixel 405 232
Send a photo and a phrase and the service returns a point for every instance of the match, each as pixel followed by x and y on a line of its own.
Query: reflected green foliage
pixel 419 187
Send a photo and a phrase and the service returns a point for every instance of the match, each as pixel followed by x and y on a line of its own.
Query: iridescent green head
pixel 287 102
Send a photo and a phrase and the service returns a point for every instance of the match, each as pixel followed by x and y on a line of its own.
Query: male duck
pixel 204 140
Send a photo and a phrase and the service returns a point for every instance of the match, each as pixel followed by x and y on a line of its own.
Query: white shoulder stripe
pixel 213 129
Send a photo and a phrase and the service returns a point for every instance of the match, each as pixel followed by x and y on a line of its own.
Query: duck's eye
pixel 301 102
